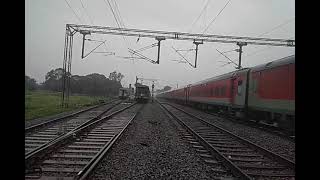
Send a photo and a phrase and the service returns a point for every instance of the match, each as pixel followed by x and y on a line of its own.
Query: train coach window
pixel 255 85
pixel 216 91
pixel 239 87
pixel 223 91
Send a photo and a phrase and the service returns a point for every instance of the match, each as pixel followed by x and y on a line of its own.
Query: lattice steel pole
pixel 67 59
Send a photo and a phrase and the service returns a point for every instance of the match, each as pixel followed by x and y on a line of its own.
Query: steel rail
pixel 62 139
pixel 78 127
pixel 234 169
pixel 92 164
pixel 266 152
pixel 281 132
pixel 31 128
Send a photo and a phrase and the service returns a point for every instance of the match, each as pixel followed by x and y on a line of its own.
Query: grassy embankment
pixel 43 103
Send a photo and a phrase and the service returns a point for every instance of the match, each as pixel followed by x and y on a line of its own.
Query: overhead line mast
pixel 71 29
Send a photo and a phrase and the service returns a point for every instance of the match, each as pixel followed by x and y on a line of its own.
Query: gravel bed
pixel 267 140
pixel 151 148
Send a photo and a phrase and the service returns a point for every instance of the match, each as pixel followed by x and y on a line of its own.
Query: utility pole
pixel 240 44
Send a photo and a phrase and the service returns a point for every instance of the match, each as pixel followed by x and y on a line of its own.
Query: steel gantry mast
pixel 197 39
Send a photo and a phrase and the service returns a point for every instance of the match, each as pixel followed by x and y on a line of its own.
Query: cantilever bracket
pixel 196 43
pixel 159 39
pixel 84 33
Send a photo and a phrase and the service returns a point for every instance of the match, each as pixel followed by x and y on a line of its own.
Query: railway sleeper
pixel 72 156
pixel 103 140
pixel 61 169
pixel 256 166
pixel 74 151
pixel 83 147
pixel 64 162
pixel 270 174
pixel 47 132
pixel 89 143
pixel 39 138
pixel 235 150
pixel 241 155
pixel 227 146
pixel 250 160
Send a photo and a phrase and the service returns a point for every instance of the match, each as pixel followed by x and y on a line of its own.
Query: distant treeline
pixel 166 88
pixel 93 84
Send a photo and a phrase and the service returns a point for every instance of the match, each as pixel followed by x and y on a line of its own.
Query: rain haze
pixel 45 23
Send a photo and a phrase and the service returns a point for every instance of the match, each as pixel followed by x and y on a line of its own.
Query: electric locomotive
pixel 142 93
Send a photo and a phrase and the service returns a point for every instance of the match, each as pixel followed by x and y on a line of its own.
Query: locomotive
pixel 263 93
pixel 124 93
pixel 142 93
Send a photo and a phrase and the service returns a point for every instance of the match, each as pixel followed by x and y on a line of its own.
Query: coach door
pixel 187 93
pixel 234 85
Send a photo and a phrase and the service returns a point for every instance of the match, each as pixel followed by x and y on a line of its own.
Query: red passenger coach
pixel 272 91
pixel 265 92
pixel 222 93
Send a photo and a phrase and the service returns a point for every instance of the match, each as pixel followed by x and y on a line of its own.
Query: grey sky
pixel 45 22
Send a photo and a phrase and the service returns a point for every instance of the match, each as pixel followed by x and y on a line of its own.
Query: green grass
pixel 43 103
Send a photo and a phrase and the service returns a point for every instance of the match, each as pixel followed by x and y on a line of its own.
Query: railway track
pixel 39 135
pixel 286 134
pixel 217 146
pixel 75 154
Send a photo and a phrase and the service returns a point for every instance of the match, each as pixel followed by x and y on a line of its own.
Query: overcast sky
pixel 45 22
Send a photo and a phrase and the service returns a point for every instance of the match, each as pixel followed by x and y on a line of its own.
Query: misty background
pixel 45 23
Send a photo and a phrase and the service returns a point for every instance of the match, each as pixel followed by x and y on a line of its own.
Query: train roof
pixel 275 63
pixel 222 76
pixel 123 88
pixel 142 86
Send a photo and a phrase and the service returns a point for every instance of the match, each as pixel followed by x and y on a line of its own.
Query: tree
pixel 92 84
pixel 114 76
pixel 55 74
pixel 167 88
pixel 53 80
pixel 30 83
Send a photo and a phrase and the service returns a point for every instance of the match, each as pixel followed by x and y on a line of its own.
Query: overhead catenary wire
pixel 85 10
pixel 73 11
pixel 277 27
pixel 117 18
pixel 182 56
pixel 205 6
pixel 211 22
pixel 91 21
pixel 269 31
pixel 114 15
pixel 103 42
pixel 216 16
pixel 231 61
